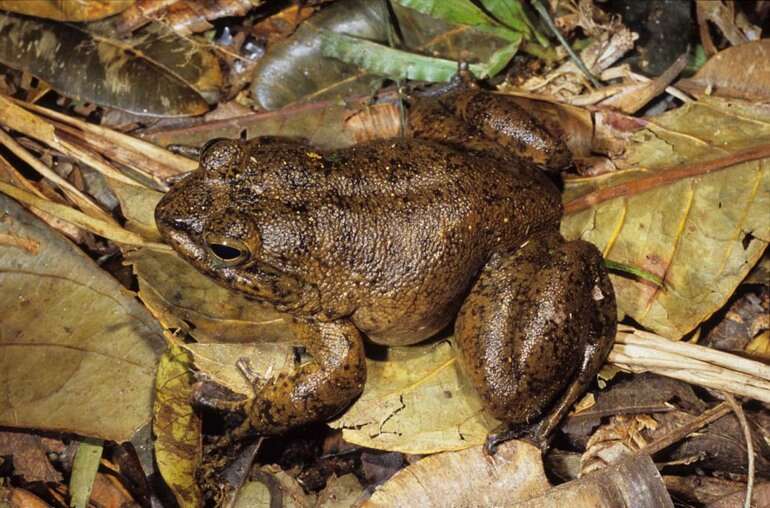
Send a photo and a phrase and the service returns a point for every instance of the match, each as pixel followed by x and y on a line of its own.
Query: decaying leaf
pixel 219 362
pixel 340 491
pixel 98 70
pixel 138 207
pixel 175 291
pixel 79 352
pixel 66 10
pixel 30 457
pixel 467 478
pixel 177 427
pixel 416 401
pixel 183 17
pixel 738 71
pixel 168 53
pixel 700 226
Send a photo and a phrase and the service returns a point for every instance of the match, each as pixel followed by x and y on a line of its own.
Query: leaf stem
pixel 666 177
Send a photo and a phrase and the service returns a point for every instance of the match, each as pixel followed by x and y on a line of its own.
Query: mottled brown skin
pixel 390 239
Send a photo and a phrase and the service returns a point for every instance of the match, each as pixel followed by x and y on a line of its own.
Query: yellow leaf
pixel 416 401
pixel 177 427
pixel 692 209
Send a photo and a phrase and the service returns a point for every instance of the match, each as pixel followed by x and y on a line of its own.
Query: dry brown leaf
pixel 29 455
pixel 59 10
pixel 466 478
pixel 740 71
pixel 176 292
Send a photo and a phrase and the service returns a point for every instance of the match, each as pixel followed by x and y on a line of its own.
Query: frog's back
pixel 403 227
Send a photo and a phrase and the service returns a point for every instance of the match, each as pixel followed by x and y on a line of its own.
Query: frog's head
pixel 214 218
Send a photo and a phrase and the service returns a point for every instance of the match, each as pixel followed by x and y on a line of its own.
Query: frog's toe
pixel 210 395
pixel 520 431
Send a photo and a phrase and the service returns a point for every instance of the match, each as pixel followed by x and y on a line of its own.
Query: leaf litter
pixel 415 401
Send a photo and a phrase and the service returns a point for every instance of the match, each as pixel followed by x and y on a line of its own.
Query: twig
pixel 676 435
pixel 749 444
pixel 540 8
pixel 702 353
pixel 666 177
pixel 638 351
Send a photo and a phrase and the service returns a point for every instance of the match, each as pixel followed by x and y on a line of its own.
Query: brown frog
pixel 392 240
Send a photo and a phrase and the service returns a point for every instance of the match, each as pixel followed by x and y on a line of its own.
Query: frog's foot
pixel 503 121
pixel 535 330
pixel 530 432
pixel 210 395
pixel 318 389
pixel 464 79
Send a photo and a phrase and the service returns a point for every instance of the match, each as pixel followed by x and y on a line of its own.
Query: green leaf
pixel 397 64
pixel 498 60
pixel 461 12
pixel 294 69
pixel 511 14
pixel 84 469
pixel 635 271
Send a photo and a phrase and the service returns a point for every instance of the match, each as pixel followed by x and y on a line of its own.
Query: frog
pixel 392 241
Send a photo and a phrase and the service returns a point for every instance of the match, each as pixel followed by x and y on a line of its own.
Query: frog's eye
pixel 228 251
pixel 208 144
pixel 220 155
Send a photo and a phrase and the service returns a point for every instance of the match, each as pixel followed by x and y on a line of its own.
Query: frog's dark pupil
pixel 225 252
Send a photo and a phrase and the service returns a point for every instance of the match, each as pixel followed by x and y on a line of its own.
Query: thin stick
pixel 540 8
pixel 702 353
pixel 676 435
pixel 84 202
pixel 666 177
pixel 749 445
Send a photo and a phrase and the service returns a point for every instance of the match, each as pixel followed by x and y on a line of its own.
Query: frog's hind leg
pixel 535 329
pixel 500 119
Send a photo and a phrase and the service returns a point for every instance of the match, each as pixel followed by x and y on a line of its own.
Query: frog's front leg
pixel 318 389
pixel 315 391
pixel 535 329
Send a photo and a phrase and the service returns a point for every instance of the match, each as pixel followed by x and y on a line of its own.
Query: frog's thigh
pixel 537 324
pixel 320 388
pixel 508 124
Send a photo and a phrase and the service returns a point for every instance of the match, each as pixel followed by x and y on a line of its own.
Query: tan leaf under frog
pixel 395 240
